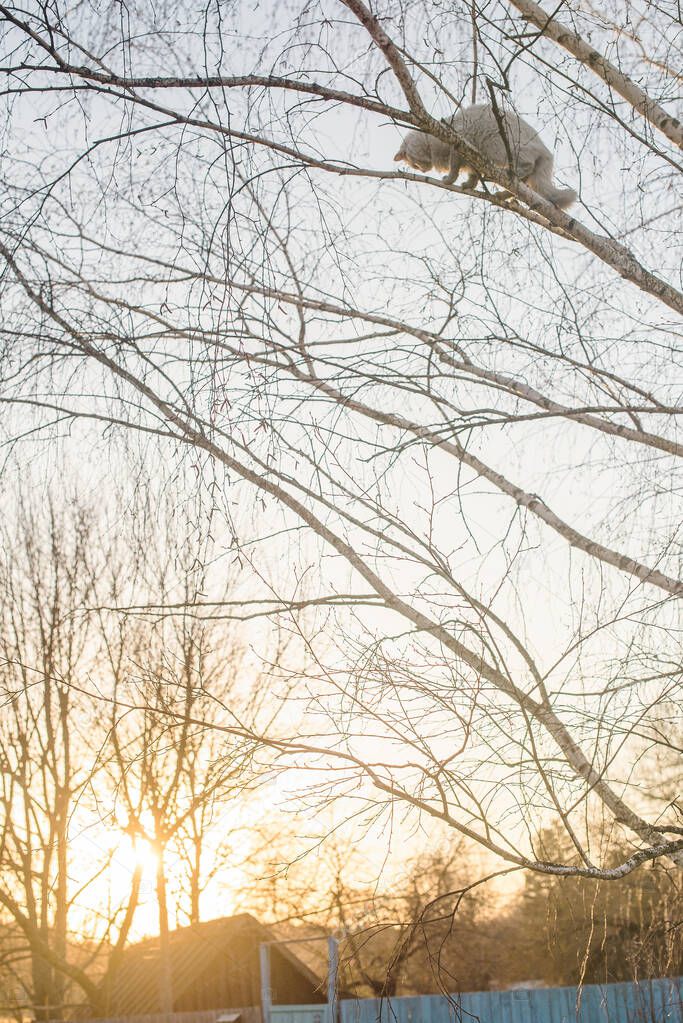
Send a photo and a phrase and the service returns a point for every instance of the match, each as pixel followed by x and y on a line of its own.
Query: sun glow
pixel 144 856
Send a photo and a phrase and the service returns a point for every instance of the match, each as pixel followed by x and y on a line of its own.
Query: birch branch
pixel 649 109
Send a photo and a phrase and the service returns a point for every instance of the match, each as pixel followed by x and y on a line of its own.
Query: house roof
pixel 228 942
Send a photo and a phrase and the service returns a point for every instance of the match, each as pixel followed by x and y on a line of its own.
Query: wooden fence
pixel 650 1001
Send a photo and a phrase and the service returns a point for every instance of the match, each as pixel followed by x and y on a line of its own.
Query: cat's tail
pixel 541 180
pixel 562 197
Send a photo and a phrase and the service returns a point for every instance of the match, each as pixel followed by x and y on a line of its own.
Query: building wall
pixel 227 981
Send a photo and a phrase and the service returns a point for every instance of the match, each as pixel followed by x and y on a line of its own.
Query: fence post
pixel 264 959
pixel 332 986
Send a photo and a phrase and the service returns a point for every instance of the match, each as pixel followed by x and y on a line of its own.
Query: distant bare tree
pixel 107 731
pixel 424 924
pixel 51 765
pixel 420 934
pixel 173 677
pixel 166 780
pixel 584 930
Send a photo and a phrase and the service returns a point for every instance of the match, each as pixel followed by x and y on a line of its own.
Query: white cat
pixel 524 155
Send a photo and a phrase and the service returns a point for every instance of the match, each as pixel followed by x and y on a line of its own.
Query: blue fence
pixel 651 1001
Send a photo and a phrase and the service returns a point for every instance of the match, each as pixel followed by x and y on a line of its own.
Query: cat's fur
pixel 479 126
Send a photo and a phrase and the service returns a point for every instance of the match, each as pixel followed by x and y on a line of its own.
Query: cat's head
pixel 416 152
